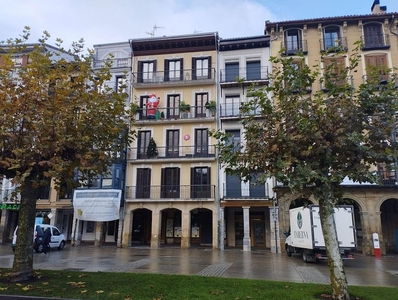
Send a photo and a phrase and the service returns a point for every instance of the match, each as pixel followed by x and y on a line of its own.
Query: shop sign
pixel 10 206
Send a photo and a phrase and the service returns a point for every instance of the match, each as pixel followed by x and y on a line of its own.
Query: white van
pixel 37 238
pixel 57 238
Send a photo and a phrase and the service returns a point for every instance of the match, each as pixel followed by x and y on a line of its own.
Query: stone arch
pixel 171 226
pixel 201 220
pixel 388 232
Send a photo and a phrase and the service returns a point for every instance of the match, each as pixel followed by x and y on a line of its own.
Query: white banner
pixel 97 205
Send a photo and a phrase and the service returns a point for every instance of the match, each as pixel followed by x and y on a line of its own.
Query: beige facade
pixel 335 39
pixel 171 195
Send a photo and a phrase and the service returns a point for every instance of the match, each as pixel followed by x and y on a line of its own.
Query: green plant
pixel 184 107
pixel 211 104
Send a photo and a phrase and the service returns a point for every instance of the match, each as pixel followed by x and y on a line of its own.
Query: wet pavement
pixel 231 263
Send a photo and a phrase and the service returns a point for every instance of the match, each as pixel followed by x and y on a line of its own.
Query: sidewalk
pixel 232 263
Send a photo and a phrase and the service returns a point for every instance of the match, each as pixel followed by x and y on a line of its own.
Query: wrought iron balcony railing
pixel 170 192
pixel 336 80
pixel 249 192
pixel 246 74
pixel 375 41
pixel 175 152
pixel 170 77
pixel 381 79
pixel 173 113
pixel 116 63
pixel 333 45
pixel 294 47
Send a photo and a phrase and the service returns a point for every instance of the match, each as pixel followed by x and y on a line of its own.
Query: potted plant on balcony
pixel 184 109
pixel 211 106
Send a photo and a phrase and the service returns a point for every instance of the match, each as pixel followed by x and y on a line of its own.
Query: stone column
pixel 186 229
pixel 221 229
pixel 53 218
pixel 76 237
pixel 120 228
pixel 98 233
pixel 3 224
pixel 155 229
pixel 127 224
pixel 246 229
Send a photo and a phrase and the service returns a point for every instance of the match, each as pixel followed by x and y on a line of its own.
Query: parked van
pixel 57 238
pixel 37 238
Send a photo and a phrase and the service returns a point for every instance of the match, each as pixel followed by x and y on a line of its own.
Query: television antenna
pixel 152 33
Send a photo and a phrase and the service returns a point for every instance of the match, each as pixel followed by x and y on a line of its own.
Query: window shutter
pixel 139 75
pixel 193 68
pixel 182 69
pixel 209 74
pixel 166 70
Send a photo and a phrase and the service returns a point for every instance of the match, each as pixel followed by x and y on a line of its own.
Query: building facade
pixel 171 188
pixel 328 40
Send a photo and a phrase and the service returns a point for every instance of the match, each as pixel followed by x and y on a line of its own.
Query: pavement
pixel 230 263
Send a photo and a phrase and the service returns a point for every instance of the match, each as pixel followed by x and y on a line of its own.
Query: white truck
pixel 306 237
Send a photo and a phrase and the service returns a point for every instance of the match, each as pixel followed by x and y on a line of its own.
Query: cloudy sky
pixel 107 21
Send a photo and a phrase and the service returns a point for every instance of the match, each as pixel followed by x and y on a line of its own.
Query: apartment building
pixel 171 181
pixel 332 39
pixel 246 208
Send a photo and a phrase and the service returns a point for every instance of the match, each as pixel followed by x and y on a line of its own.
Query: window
pixel 170 183
pixel 143 142
pixel 373 35
pixel 200 103
pixel 201 142
pixel 121 84
pixel 376 67
pixel 331 37
pixel 231 106
pixel 146 71
pixel 143 183
pixel 201 68
pixel 253 70
pixel 333 69
pixel 173 102
pixel 293 42
pixel 231 71
pixel 200 182
pixel 234 139
pixel 173 69
pixel 172 143
pixel 233 186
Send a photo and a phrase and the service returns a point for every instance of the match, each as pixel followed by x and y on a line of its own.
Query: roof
pixel 252 42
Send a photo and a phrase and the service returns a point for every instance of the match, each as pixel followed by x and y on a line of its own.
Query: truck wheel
pixel 288 252
pixel 305 257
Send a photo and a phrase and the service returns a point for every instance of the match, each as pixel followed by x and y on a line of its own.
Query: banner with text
pixel 97 205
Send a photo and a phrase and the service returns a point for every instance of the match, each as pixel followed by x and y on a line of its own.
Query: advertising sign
pixel 97 205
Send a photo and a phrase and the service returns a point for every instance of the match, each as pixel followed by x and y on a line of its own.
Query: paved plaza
pixel 231 263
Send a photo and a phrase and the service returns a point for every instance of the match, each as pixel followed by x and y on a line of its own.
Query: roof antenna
pixel 152 33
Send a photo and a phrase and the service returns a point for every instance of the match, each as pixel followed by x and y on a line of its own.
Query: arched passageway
pixel 389 224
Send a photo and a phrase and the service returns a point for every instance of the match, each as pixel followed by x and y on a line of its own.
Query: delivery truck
pixel 306 238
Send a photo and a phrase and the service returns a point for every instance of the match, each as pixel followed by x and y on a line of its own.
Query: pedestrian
pixel 46 240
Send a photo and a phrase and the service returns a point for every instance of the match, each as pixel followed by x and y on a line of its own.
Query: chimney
pixel 377 9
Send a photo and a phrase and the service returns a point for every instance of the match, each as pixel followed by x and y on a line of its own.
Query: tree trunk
pixel 338 277
pixel 22 269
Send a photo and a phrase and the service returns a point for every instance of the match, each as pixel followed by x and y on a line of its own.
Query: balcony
pixel 381 79
pixel 116 63
pixel 174 78
pixel 329 45
pixel 375 41
pixel 175 152
pixel 293 47
pixel 332 81
pixel 248 75
pixel 237 192
pixel 232 110
pixel 171 193
pixel 199 113
pixel 387 178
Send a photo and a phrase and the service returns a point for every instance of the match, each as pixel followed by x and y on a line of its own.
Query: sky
pixel 108 21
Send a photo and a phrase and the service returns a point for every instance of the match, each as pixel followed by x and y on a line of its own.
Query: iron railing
pixel 174 152
pixel 174 76
pixel 333 45
pixel 116 63
pixel 173 113
pixel 169 192
pixel 292 48
pixel 375 41
pixel 246 74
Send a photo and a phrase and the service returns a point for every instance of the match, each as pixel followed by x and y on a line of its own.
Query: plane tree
pixel 310 141
pixel 57 116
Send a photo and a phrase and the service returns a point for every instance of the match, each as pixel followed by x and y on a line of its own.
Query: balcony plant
pixel 211 105
pixel 184 107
